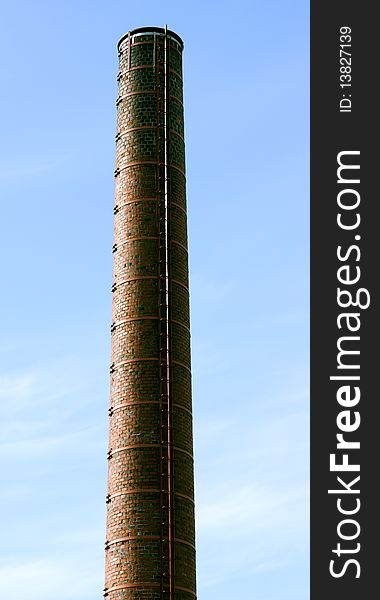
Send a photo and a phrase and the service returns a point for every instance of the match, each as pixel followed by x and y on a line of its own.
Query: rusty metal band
pixel 141 199
pixel 137 239
pixel 179 206
pixel 188 454
pixel 138 68
pixel 137 128
pixel 138 92
pixel 152 586
pixel 135 201
pixel 183 285
pixel 181 364
pixel 176 99
pixel 184 542
pixel 187 590
pixel 131 538
pixel 149 31
pixel 173 71
pixel 127 586
pixel 149 42
pixel 181 324
pixel 179 135
pixel 125 73
pixel 147 491
pixel 175 405
pixel 145 318
pixel 142 402
pixel 176 168
pixel 138 278
pixel 136 403
pixel 144 92
pixel 112 452
pixel 176 73
pixel 132 319
pixel 133 360
pixel 136 163
pixel 134 491
pixel 143 127
pixel 148 237
pixel 189 498
pixel 180 245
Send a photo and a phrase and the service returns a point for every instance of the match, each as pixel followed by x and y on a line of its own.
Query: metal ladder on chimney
pixel 163 209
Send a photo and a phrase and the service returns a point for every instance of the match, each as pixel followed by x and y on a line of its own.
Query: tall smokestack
pixel 150 547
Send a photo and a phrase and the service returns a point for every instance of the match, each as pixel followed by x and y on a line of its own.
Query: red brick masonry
pixel 150 547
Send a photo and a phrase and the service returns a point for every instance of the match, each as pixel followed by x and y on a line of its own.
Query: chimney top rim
pixel 148 30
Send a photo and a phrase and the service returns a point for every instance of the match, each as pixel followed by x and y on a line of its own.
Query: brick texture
pixel 150 542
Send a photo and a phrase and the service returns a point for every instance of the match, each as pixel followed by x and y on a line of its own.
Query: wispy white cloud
pixel 22 171
pixel 14 492
pixel 37 416
pixel 61 578
pixel 81 537
pixel 252 493
pixel 211 291
pixel 83 440
pixel 34 388
pixel 15 390
pixel 249 509
pixel 42 433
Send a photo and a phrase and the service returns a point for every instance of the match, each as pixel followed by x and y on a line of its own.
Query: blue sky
pixel 246 95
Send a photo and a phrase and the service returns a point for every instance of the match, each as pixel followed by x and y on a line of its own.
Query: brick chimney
pixel 150 543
